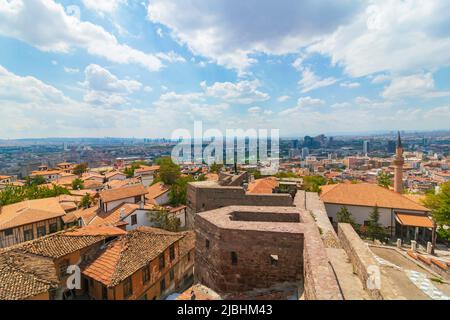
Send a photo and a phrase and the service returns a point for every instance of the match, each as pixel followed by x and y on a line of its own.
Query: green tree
pixel 35 181
pixel 86 202
pixel 286 175
pixel 439 203
pixel 313 183
pixel 169 172
pixel 384 179
pixel 215 168
pixel 163 219
pixel 77 184
pixel 344 216
pixel 374 229
pixel 80 169
pixel 13 194
pixel 178 191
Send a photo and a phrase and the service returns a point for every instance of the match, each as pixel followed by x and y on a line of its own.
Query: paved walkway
pixel 401 273
pixel 349 282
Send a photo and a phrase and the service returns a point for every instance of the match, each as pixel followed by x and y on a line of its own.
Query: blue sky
pixel 123 68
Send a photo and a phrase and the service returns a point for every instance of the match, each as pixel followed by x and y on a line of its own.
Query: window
pixel 162 285
pixel 172 274
pixel 274 260
pixel 53 227
pixel 172 252
pixel 127 288
pixel 207 244
pixel 162 262
pixel 234 258
pixel 137 199
pixel 133 220
pixel 41 231
pixel 145 275
pixel 28 234
pixel 9 232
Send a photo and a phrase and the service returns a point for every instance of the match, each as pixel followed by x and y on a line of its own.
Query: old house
pixel 143 264
pixel 28 220
pixel 110 199
pixel 39 269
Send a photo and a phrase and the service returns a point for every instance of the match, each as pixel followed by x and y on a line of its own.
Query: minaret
pixel 399 161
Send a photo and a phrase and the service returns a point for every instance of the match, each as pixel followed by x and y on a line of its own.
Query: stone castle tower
pixel 399 161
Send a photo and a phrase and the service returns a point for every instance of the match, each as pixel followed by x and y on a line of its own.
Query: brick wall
pixel 254 268
pixel 202 199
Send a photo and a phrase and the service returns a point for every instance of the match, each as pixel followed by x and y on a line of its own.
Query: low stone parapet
pixel 362 259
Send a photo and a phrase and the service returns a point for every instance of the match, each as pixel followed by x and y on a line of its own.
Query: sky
pixel 123 68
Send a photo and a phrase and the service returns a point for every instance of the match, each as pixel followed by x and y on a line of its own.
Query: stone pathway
pixel 424 284
pixel 419 279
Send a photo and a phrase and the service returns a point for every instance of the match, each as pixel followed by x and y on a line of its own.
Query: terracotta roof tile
pixel 57 245
pixel 23 275
pixel 126 255
pixel 263 186
pixel 30 211
pixel 122 193
pixel 155 191
pixel 365 194
pixel 414 220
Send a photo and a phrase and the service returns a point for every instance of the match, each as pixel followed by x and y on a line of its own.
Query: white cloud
pixel 171 56
pixel 182 109
pixel 160 33
pixel 283 98
pixel 54 30
pixel 254 109
pixel 242 92
pixel 302 104
pixel 381 78
pixel 103 6
pixel 418 85
pixel 71 70
pixel 105 88
pixel 350 85
pixel 395 36
pixel 228 32
pixel 310 81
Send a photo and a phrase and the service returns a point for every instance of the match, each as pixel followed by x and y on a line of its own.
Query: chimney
pixel 122 213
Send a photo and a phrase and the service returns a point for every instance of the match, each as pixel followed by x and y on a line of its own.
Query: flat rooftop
pixel 271 219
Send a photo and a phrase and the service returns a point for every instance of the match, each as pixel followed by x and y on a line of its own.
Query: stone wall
pixel 320 282
pixel 202 199
pixel 295 243
pixel 360 256
pixel 253 249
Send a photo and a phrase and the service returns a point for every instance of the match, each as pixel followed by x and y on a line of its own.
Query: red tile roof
pixel 122 193
pixel 365 194
pixel 128 254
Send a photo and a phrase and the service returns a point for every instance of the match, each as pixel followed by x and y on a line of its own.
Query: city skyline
pixel 143 69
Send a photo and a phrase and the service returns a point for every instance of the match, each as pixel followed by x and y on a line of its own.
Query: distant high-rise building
pixel 308 142
pixel 391 146
pixel 305 152
pixel 366 147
